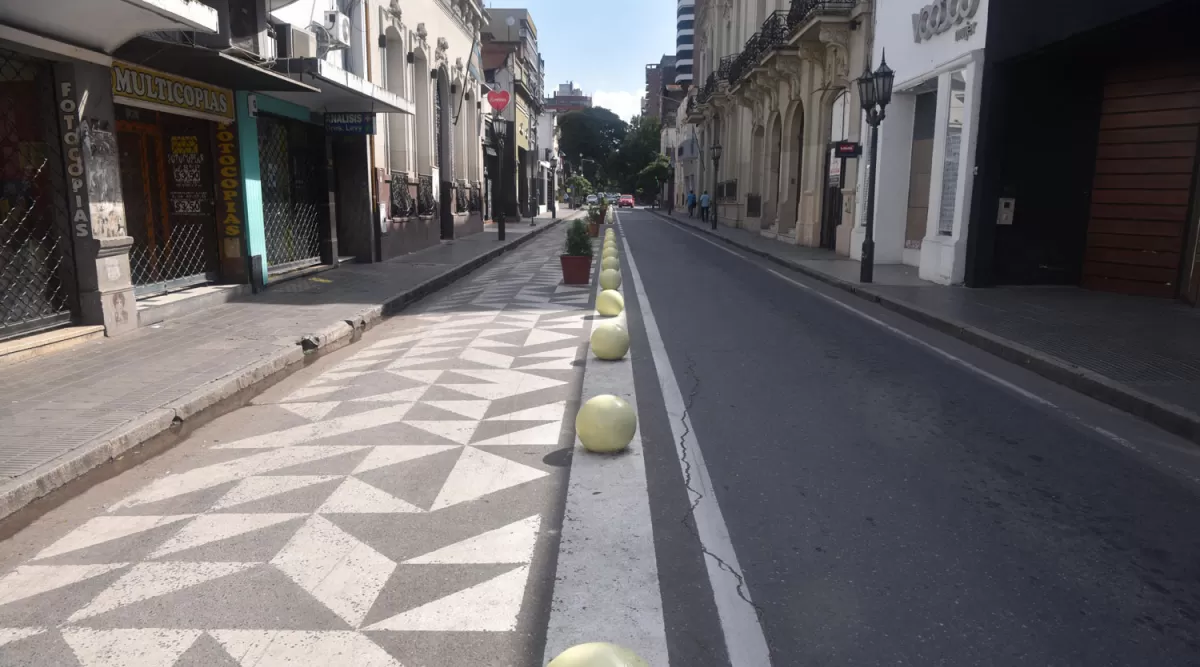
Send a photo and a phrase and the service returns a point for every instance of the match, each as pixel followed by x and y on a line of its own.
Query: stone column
pixel 87 126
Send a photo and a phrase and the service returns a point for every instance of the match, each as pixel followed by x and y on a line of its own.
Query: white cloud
pixel 624 104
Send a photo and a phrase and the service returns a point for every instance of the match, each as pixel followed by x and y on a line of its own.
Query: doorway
pixel 831 207
pixel 170 209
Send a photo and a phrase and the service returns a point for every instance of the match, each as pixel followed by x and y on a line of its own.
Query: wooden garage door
pixel 1145 165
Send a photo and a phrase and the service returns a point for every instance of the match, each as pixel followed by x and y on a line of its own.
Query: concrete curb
pixel 1166 416
pixel 55 474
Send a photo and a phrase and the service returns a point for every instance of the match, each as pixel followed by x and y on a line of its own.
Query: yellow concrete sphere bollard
pixel 610 303
pixel 610 262
pixel 610 341
pixel 606 424
pixel 598 654
pixel 610 242
pixel 610 279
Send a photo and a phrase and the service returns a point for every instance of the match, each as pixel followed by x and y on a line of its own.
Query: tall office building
pixel 685 23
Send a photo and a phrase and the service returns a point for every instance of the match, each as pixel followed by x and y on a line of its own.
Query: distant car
pixel 626 201
pixel 592 200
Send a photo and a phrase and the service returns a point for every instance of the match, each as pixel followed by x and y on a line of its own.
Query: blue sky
pixel 601 45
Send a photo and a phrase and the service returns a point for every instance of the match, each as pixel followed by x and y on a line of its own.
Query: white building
pixel 927 140
pixel 547 141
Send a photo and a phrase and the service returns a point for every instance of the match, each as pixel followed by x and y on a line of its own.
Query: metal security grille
pixel 166 179
pixel 437 126
pixel 179 261
pixel 290 160
pixel 37 278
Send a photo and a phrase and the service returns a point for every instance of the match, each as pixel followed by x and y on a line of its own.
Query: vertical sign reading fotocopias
pixel 230 216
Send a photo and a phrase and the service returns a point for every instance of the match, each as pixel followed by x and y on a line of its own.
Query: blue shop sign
pixel 350 123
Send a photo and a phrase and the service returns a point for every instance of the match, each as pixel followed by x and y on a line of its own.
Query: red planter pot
pixel 576 270
pixel 594 229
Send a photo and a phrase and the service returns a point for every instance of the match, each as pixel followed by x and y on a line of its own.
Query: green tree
pixel 580 186
pixel 653 175
pixel 637 150
pixel 595 134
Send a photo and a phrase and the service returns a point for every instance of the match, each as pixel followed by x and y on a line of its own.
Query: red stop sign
pixel 498 99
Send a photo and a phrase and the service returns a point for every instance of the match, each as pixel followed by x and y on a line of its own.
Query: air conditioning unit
pixel 295 42
pixel 337 30
pixel 242 30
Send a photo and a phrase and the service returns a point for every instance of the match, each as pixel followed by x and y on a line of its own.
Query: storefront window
pixel 952 162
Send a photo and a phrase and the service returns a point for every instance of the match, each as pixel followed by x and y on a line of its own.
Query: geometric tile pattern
pixel 398 493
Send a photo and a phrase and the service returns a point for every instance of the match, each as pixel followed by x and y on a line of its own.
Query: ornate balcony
pixel 772 35
pixel 803 12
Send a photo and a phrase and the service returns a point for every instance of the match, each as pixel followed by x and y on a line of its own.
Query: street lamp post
pixel 716 158
pixel 671 188
pixel 875 92
pixel 501 130
pixel 553 198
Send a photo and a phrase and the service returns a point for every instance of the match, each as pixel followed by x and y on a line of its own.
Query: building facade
pixel 685 31
pixel 660 84
pixel 237 142
pixel 568 98
pixel 512 63
pixel 927 141
pixel 775 89
pixel 428 165
pixel 1095 184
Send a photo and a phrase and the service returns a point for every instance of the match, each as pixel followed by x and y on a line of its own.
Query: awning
pixel 339 90
pixel 209 66
pixel 104 25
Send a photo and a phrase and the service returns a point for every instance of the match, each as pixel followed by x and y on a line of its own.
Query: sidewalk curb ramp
pixel 1169 417
pixel 177 418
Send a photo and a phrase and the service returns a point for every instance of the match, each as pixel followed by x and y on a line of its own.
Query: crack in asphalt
pixel 697 496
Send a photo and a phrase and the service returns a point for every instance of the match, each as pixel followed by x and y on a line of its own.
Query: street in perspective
pixel 444 333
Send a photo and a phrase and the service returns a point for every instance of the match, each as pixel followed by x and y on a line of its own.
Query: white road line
pixel 874 320
pixel 1105 433
pixel 606 586
pixel 744 636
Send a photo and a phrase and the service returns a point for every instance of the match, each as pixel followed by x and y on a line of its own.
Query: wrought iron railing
pixel 476 202
pixel 725 65
pixel 802 10
pixel 403 205
pixel 773 34
pixel 710 87
pixel 460 198
pixel 425 202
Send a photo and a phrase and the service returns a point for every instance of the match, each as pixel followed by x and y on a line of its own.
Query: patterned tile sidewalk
pixel 387 510
pixel 57 404
pixel 1136 353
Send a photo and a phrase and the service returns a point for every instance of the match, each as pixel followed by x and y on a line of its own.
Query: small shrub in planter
pixel 577 259
pixel 595 219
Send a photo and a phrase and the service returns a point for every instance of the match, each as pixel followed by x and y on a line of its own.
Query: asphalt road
pixel 890 506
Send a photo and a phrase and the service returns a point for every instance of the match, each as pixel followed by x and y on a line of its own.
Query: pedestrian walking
pixel 704 202
pixel 691 203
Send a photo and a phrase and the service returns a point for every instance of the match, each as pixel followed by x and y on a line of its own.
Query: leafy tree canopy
pixel 595 134
pixel 653 175
pixel 639 148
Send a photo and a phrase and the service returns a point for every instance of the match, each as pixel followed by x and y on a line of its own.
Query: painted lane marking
pixel 606 585
pixel 744 637
pixel 1098 430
